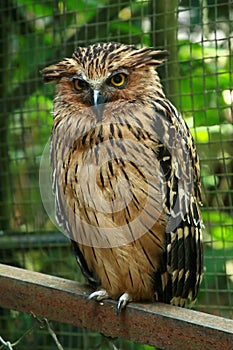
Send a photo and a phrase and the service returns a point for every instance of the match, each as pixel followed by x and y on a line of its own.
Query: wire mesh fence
pixel 198 80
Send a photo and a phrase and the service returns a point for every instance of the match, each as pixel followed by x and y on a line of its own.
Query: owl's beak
pixel 98 102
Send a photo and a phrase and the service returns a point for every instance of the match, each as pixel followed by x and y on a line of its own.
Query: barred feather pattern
pixel 127 185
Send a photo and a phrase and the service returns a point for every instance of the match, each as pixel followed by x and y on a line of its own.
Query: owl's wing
pixel 182 270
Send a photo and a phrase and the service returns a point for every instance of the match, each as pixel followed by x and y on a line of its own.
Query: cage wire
pixel 198 80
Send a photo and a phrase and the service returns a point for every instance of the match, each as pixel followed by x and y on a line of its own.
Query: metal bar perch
pixel 159 325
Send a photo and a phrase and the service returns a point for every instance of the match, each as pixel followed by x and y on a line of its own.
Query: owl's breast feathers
pixel 127 191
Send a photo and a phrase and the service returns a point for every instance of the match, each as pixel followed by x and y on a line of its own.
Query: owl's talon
pixel 122 302
pixel 98 295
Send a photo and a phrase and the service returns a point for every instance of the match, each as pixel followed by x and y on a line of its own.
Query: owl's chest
pixel 110 175
pixel 111 181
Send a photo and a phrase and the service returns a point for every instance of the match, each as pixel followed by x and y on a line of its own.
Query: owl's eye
pixel 119 80
pixel 79 84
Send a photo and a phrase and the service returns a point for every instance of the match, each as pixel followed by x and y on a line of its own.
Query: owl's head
pixel 107 72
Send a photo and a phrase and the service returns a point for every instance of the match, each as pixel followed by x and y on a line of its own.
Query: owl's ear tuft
pixel 55 72
pixel 160 56
pixel 147 56
pixel 151 57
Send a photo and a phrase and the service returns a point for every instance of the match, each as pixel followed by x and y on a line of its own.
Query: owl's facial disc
pixel 96 92
pixel 90 93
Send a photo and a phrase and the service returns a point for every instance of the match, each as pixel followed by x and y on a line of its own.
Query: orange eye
pixel 119 80
pixel 79 84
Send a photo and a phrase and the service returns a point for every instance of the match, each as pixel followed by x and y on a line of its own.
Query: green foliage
pixel 220 224
pixel 206 72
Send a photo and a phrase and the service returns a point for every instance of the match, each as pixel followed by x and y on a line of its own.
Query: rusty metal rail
pixel 160 325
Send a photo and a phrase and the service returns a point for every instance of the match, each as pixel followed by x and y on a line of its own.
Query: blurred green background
pixel 198 80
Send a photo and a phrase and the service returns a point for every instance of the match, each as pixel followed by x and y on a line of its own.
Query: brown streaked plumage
pixel 126 176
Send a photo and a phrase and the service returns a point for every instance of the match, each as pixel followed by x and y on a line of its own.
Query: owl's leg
pixel 123 301
pixel 98 295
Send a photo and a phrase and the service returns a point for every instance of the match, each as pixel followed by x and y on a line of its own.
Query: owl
pixel 125 176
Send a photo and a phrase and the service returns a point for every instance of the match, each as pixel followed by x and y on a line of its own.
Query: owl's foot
pixel 103 294
pixel 98 295
pixel 123 301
